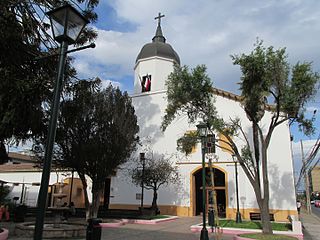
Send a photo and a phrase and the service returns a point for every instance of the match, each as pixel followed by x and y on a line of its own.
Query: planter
pixel 4 234
pixel 148 211
pixel 20 213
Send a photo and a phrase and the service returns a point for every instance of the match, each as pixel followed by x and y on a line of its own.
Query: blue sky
pixel 203 32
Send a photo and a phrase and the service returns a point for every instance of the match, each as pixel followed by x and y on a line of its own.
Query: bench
pixel 255 216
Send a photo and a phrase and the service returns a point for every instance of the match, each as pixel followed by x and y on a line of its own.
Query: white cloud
pixel 311 109
pixel 204 32
pixel 106 83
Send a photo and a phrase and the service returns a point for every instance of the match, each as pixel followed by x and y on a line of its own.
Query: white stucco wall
pixel 158 67
pixel 31 194
pixel 150 109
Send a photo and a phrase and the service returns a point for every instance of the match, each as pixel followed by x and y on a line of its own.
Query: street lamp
pixel 67 24
pixel 202 133
pixel 238 214
pixel 143 160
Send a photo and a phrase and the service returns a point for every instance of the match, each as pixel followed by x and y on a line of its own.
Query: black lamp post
pixel 238 214
pixel 143 160
pixel 67 24
pixel 202 132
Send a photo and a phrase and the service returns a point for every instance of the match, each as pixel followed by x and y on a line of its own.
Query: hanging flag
pixel 146 83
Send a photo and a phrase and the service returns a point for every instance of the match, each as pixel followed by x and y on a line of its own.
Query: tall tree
pixel 159 171
pixel 97 133
pixel 266 76
pixel 26 72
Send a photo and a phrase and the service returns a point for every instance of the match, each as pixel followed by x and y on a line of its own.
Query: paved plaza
pixel 311 226
pixel 178 229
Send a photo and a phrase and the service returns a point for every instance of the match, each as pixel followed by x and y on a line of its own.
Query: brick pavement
pixel 311 225
pixel 178 230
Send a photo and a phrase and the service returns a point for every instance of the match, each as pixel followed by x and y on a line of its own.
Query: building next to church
pixel 314 176
pixel 152 66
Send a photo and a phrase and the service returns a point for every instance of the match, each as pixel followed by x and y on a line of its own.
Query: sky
pixel 202 32
pixel 205 32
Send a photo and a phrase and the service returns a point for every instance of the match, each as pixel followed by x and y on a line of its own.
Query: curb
pixel 155 221
pixel 113 224
pixel 235 231
pixel 4 234
pixel 122 222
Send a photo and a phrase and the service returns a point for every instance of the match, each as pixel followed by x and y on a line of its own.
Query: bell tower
pixel 154 63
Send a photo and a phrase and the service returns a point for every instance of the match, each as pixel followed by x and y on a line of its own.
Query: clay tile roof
pixel 20 167
pixel 231 96
pixel 19 156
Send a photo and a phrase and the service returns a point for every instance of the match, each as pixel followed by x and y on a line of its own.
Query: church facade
pixel 153 65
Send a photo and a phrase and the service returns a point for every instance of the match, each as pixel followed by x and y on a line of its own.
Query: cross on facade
pixel 159 18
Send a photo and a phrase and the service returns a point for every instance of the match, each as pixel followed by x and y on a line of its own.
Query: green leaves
pixel 158 171
pixel 266 77
pixel 188 142
pixel 26 78
pixel 299 91
pixel 264 72
pixel 188 93
pixel 97 129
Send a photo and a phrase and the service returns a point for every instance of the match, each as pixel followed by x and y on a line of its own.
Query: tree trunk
pixel 3 153
pixel 85 192
pixel 265 217
pixel 261 157
pixel 96 194
pixel 154 200
pixel 95 203
pixel 256 149
pixel 263 204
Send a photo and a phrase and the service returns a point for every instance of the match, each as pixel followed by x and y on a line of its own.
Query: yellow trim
pixel 184 211
pixel 164 209
pixel 223 143
pixel 279 215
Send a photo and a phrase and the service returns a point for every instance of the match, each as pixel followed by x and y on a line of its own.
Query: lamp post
pixel 71 187
pixel 143 160
pixel 67 24
pixel 202 132
pixel 238 214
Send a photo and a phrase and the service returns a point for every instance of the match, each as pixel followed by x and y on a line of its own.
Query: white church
pixel 152 66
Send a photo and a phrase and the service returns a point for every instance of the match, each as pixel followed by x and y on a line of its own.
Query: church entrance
pixel 220 189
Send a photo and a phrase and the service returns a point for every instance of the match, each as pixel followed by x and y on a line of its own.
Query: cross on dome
pixel 159 36
pixel 159 18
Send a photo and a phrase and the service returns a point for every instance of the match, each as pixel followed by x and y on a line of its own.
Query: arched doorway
pixel 220 188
